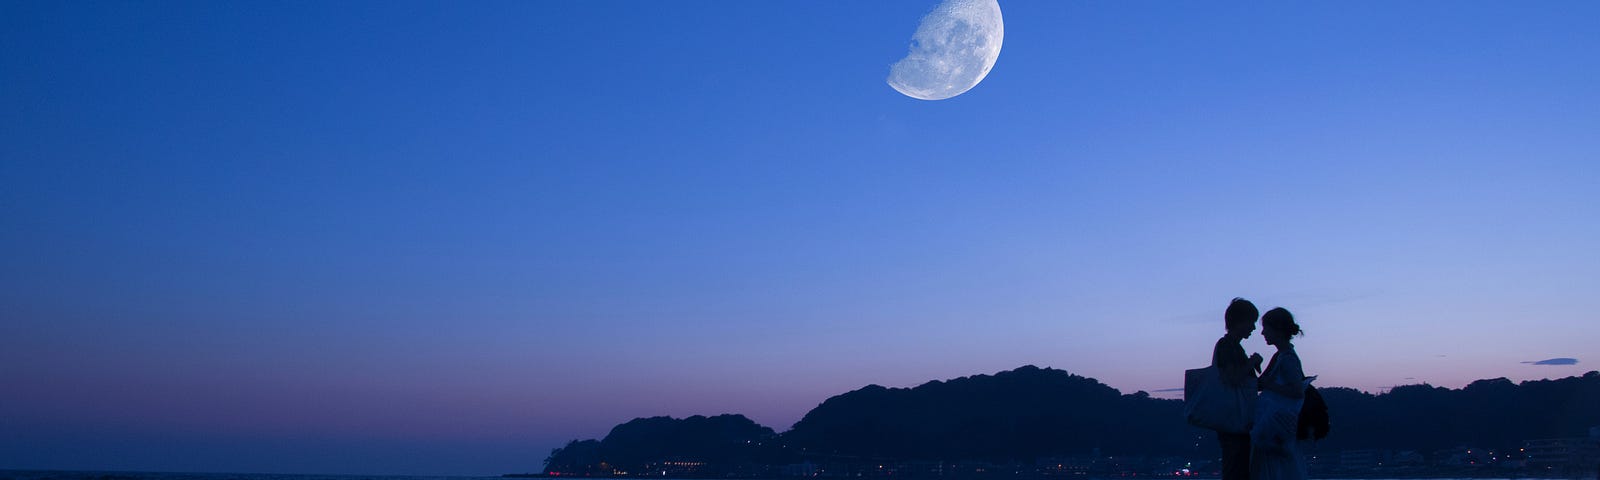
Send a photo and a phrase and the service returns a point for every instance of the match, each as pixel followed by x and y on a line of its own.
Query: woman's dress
pixel 1280 458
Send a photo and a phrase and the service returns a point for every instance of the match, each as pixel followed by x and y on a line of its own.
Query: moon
pixel 954 48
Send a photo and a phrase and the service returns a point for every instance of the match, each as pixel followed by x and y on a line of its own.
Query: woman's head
pixel 1277 326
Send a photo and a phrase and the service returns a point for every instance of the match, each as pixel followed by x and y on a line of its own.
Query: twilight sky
pixel 406 237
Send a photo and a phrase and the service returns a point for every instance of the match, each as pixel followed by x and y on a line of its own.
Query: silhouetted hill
pixel 1018 414
pixel 1487 413
pixel 643 442
pixel 1031 412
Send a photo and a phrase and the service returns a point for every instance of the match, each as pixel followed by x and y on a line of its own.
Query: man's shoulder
pixel 1228 351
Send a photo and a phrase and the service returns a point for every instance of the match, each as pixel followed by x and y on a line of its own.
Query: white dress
pixel 1282 461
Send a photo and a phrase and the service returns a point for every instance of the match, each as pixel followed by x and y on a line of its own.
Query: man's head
pixel 1241 317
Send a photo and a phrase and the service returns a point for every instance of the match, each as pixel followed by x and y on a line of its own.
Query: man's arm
pixel 1233 365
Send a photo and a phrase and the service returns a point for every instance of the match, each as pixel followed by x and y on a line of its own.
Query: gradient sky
pixel 399 237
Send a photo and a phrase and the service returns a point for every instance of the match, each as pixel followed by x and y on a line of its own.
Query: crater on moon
pixel 954 47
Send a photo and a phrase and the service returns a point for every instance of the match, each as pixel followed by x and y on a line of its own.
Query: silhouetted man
pixel 1236 370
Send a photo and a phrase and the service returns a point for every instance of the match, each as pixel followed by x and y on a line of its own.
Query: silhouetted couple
pixel 1272 455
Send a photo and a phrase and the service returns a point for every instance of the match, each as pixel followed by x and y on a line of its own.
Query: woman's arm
pixel 1281 389
pixel 1288 368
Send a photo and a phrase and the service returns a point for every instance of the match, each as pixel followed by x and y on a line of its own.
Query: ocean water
pixel 71 475
pixel 74 475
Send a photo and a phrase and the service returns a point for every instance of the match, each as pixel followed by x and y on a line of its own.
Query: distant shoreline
pixel 1466 476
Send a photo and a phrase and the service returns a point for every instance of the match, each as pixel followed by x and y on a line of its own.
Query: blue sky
pixel 405 237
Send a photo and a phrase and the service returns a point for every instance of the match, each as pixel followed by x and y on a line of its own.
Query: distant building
pixel 1316 462
pixel 919 469
pixel 676 468
pixel 1594 440
pixel 1562 456
pixel 1406 459
pixel 802 469
pixel 1065 466
pixel 1362 460
pixel 1461 457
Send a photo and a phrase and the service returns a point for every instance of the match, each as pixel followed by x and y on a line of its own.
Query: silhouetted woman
pixel 1279 459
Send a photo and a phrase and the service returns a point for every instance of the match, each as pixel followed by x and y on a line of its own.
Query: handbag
pixel 1211 404
pixel 1277 421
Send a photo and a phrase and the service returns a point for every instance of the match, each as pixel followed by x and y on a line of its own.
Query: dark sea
pixel 75 475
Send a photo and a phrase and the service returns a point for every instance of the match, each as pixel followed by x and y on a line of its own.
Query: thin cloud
pixel 1167 390
pixel 1555 361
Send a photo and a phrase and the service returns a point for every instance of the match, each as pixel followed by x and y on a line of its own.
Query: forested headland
pixel 1030 413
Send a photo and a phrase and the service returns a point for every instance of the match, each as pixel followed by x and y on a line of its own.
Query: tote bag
pixel 1277 421
pixel 1208 403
